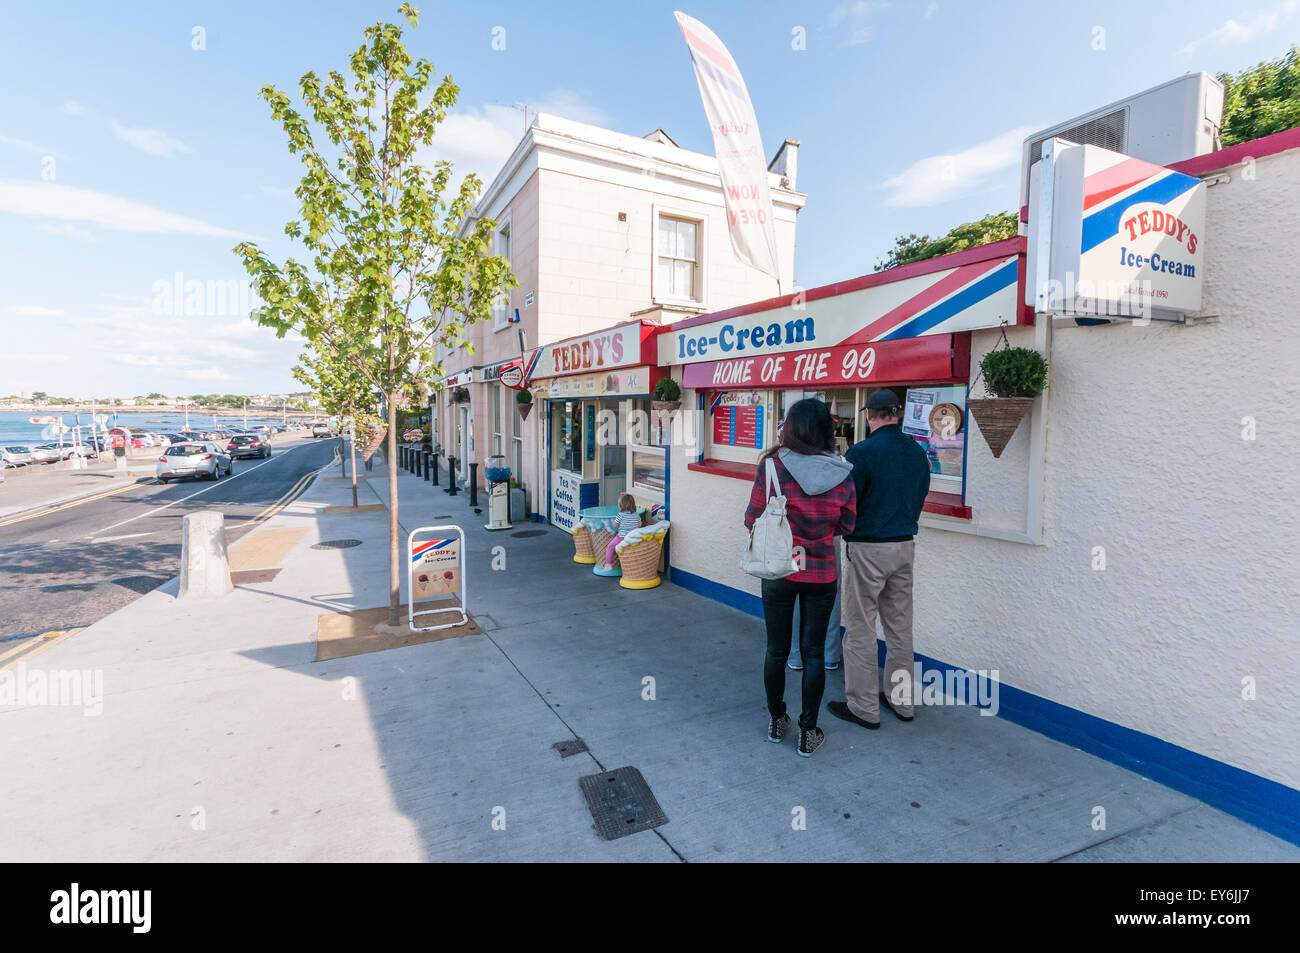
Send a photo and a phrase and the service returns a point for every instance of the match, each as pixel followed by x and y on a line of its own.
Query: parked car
pixel 243 445
pixel 199 460
pixel 61 452
pixel 321 430
pixel 16 456
pixel 46 453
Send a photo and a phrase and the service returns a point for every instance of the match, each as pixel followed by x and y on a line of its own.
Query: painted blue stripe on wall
pixel 1267 804
pixel 990 284
pixel 1102 225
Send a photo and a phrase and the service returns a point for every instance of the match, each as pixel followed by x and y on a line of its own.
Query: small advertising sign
pixel 512 375
pixel 435 567
pixel 916 412
pixel 738 419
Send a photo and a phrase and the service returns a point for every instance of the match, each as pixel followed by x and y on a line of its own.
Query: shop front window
pixel 935 417
pixel 566 435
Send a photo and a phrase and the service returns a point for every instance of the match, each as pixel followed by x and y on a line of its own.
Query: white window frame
pixel 701 219
pixel 501 307
pixel 496 418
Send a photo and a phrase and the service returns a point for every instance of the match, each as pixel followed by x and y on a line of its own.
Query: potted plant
pixel 666 401
pixel 524 400
pixel 460 395
pixel 1013 378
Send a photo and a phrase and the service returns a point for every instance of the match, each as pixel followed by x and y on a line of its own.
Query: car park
pixel 243 445
pixel 201 460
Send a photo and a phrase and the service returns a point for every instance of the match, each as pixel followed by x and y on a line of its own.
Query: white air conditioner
pixel 1165 124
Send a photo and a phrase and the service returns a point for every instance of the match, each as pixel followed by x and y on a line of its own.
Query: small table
pixel 600 523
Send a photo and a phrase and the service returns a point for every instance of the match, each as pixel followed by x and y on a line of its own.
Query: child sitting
pixel 626 521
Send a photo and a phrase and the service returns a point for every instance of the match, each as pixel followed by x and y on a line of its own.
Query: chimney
pixel 786 163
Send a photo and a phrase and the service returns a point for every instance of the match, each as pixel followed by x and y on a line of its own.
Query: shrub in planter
pixel 1015 376
pixel 524 399
pixel 460 395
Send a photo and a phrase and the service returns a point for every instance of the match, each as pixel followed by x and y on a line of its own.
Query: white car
pixel 64 452
pixel 45 454
pixel 16 456
pixel 320 430
pixel 203 461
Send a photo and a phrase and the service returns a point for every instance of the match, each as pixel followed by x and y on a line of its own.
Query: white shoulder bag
pixel 770 553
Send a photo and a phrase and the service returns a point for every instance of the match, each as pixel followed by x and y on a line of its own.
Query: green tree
pixel 342 390
pixel 990 228
pixel 397 266
pixel 1262 100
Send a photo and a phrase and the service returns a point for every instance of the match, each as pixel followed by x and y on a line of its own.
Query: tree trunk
pixel 394 550
pixel 352 452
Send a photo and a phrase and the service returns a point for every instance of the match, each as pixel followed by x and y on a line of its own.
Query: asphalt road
pixel 75 565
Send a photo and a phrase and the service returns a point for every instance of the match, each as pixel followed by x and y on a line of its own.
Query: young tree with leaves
pixel 343 392
pixel 398 264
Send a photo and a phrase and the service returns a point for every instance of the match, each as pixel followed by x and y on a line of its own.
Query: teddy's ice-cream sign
pixel 1113 236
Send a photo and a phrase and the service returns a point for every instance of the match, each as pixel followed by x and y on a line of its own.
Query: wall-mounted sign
pixel 512 375
pixel 528 299
pixel 1119 237
pixel 872 309
pixel 738 419
pixel 569 494
pixel 620 346
pixel 629 383
pixel 459 379
pixel 930 358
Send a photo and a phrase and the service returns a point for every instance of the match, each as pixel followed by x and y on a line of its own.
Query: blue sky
pixel 162 156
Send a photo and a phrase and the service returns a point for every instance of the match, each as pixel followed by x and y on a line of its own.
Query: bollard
pixel 205 565
pixel 451 475
pixel 401 455
pixel 473 484
pixel 426 466
pixel 434 462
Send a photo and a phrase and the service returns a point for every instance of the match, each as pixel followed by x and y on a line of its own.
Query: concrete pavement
pixel 221 738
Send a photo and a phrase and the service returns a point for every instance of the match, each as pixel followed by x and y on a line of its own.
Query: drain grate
pixel 571 747
pixel 621 803
pixel 337 544
pixel 526 533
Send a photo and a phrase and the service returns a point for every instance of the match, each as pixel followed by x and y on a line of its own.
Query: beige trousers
pixel 876 579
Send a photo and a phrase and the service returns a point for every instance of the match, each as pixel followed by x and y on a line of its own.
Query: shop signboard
pixel 738 419
pixel 570 493
pixel 629 383
pixel 980 291
pixel 912 359
pixel 459 379
pixel 1116 236
pixel 616 347
pixel 435 567
pixel 511 374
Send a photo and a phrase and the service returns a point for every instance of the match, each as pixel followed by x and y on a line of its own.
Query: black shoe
pixel 777 727
pixel 810 739
pixel 841 710
pixel 884 700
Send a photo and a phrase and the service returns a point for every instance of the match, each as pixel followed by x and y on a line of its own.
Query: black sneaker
pixel 810 739
pixel 777 727
pixel 842 710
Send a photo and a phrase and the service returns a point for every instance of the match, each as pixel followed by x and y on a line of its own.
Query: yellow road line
pixel 293 493
pixel 57 507
pixel 37 645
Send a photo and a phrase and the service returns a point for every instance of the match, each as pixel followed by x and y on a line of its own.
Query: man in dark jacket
pixel 892 476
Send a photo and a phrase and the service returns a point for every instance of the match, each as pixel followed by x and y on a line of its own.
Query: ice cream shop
pixel 600 436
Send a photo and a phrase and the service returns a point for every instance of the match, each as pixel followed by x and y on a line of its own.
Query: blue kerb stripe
pixel 1267 804
pixel 990 284
pixel 1102 225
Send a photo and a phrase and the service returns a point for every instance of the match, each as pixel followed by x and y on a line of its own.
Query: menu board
pixel 738 419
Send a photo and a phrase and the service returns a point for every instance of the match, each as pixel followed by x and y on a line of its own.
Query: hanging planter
pixel 524 401
pixel 460 395
pixel 1013 377
pixel 667 401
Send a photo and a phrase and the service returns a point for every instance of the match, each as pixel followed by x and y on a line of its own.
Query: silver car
pixel 45 454
pixel 201 460
pixel 16 456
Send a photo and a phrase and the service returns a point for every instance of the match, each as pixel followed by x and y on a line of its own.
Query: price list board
pixel 738 426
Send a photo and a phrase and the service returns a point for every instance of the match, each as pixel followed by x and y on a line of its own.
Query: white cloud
pixel 1230 31
pixel 138 360
pixel 153 141
pixel 31 357
pixel 931 8
pixel 74 108
pixel 938 179
pixel 36 311
pixel 480 139
pixel 855 18
pixel 25 146
pixel 49 200
pixel 67 231
pixel 208 374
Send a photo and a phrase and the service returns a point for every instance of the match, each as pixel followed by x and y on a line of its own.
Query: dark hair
pixel 808 429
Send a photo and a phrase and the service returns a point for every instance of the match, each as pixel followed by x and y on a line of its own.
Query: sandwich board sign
pixel 436 573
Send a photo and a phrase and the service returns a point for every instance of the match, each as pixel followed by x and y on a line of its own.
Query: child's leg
pixel 609 550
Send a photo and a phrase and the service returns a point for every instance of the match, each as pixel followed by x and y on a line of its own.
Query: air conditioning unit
pixel 1165 124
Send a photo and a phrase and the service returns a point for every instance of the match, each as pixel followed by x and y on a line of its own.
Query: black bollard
pixel 473 484
pixel 402 450
pixel 435 467
pixel 451 475
pixel 426 466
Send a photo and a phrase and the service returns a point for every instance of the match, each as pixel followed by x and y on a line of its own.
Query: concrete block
pixel 205 563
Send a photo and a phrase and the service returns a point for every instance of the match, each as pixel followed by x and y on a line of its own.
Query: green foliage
pixel 668 390
pixel 1014 372
pixel 1262 100
pixel 524 396
pixel 990 228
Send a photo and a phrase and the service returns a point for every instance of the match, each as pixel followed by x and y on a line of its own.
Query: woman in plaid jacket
pixel 821 503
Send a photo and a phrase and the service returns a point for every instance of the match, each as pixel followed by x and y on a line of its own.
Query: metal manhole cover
pixel 337 544
pixel 621 803
pixel 571 747
pixel 526 533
